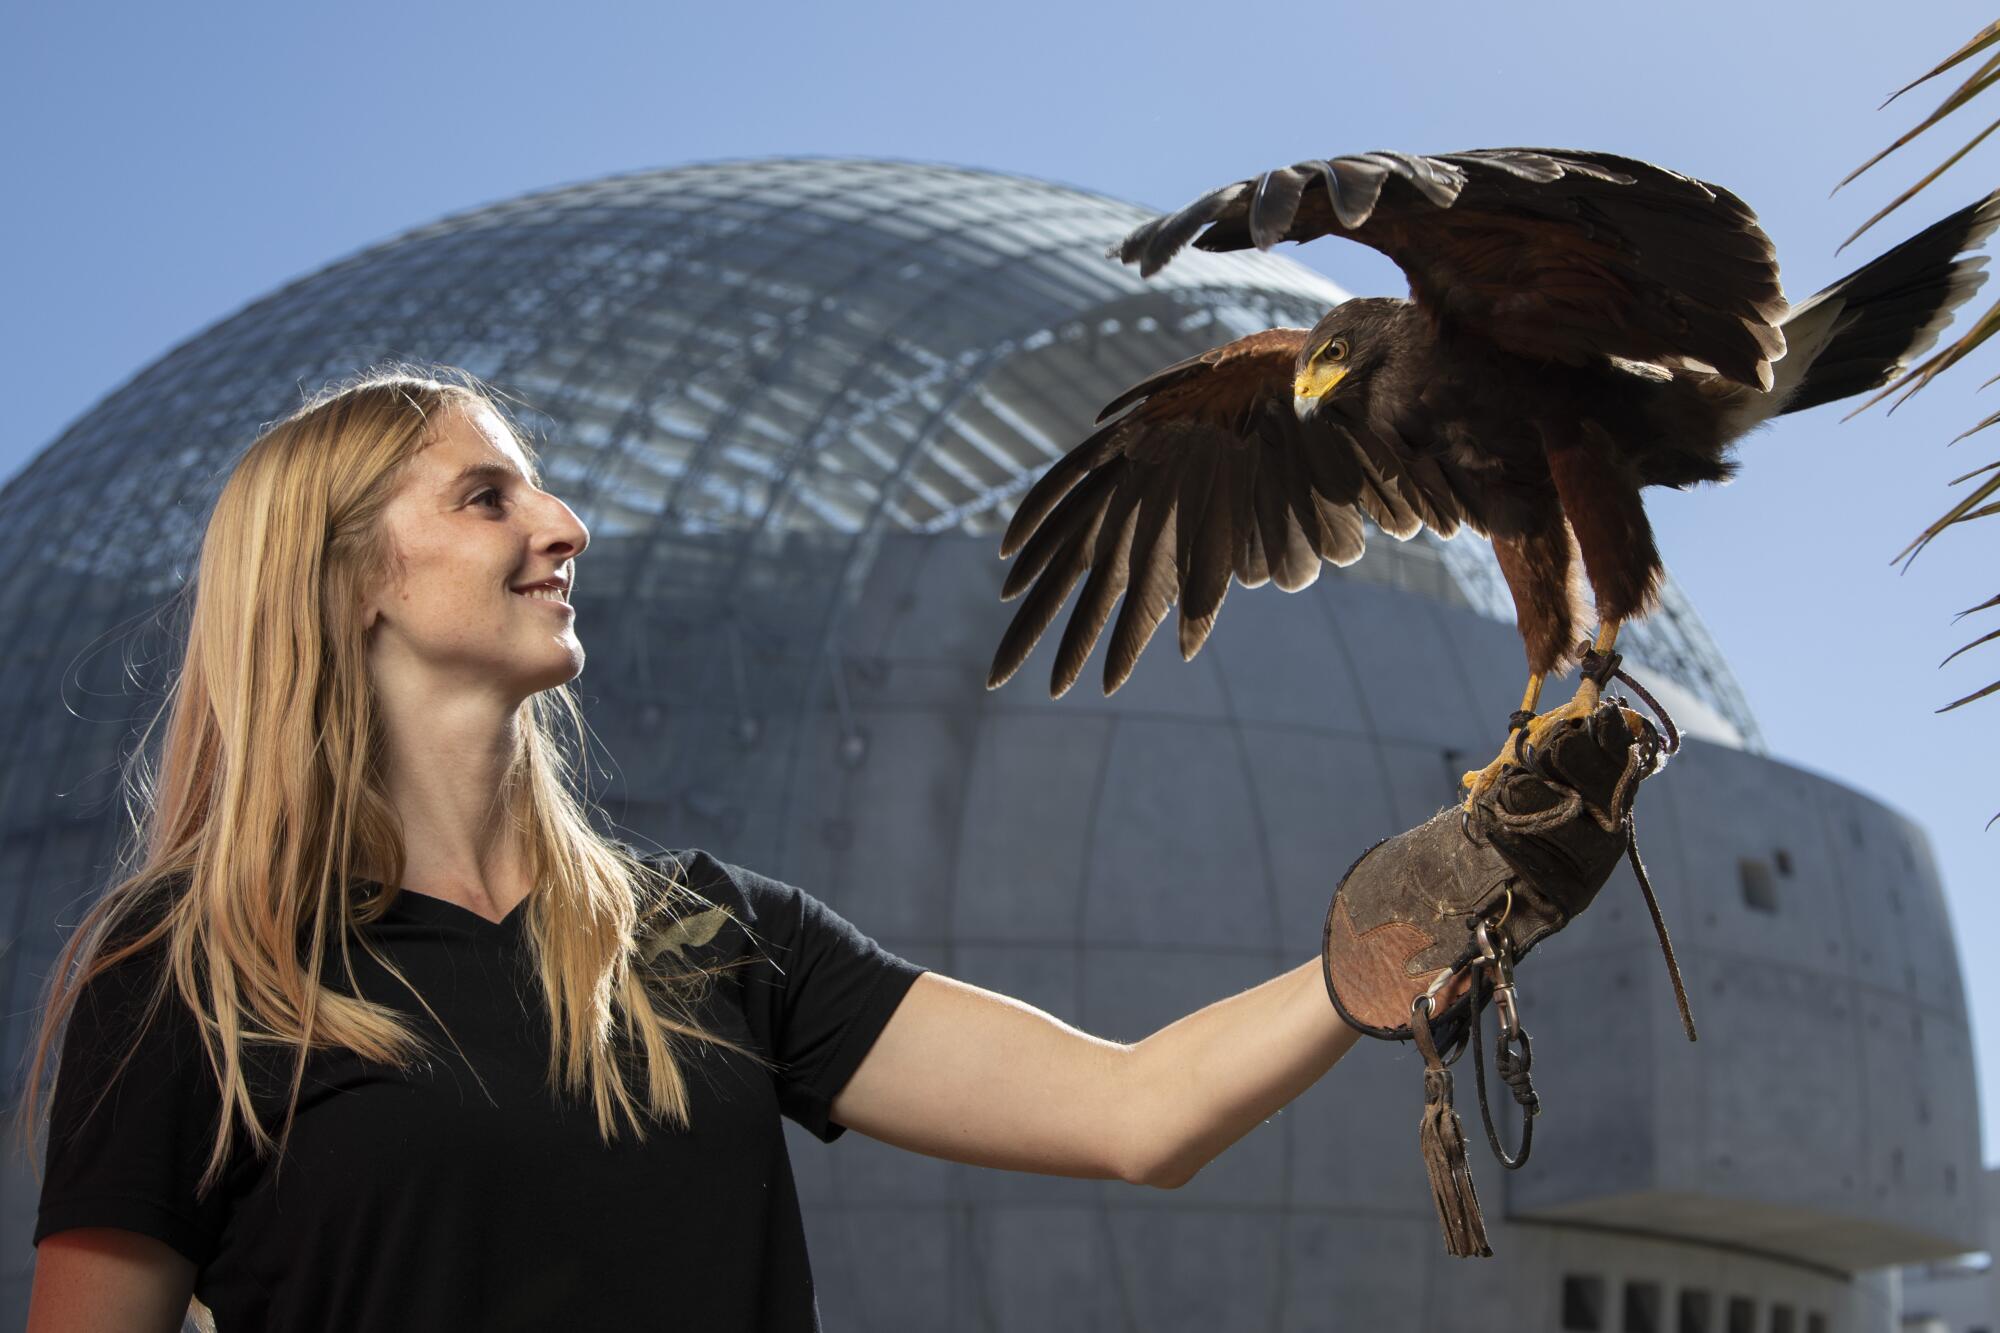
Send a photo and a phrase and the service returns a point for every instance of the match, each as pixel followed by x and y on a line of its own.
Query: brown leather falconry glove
pixel 1535 849
pixel 1478 888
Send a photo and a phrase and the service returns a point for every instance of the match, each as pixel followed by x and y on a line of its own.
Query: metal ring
pixel 1482 936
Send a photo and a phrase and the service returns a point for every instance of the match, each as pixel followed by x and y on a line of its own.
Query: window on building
pixel 1816 1323
pixel 1742 1315
pixel 1582 1303
pixel 1695 1312
pixel 1760 888
pixel 1642 1307
pixel 1783 1320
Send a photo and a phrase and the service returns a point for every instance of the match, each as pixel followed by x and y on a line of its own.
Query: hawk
pixel 1580 326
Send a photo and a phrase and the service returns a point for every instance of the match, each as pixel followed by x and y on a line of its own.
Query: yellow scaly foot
pixel 1582 704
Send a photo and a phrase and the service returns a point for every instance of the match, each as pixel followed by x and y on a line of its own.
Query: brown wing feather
pixel 1052 486
pixel 1038 612
pixel 1205 580
pixel 1293 563
pixel 1109 568
pixel 1208 476
pixel 1557 254
pixel 1154 573
pixel 1081 506
pixel 1252 566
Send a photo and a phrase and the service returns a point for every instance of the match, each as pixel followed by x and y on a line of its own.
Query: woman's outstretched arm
pixel 974 1076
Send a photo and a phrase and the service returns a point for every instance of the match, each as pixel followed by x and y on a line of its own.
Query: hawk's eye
pixel 1336 350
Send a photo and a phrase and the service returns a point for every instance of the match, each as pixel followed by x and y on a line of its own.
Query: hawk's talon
pixel 1518 750
pixel 1478 780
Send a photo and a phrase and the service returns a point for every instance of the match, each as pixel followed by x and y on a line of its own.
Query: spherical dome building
pixel 795 402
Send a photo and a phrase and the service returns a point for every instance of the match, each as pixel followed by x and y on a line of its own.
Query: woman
pixel 519 1074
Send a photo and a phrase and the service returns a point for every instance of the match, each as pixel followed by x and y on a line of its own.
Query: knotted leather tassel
pixel 1442 1137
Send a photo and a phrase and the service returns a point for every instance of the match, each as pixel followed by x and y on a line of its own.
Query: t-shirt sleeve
pixel 127 1145
pixel 816 991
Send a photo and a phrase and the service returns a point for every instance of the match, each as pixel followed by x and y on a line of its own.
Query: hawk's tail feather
pixel 1893 308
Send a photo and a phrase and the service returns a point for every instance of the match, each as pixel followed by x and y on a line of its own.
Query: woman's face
pixel 471 529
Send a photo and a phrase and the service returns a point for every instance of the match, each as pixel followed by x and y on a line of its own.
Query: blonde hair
pixel 270 800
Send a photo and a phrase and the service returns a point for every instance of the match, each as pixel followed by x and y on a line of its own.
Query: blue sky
pixel 166 164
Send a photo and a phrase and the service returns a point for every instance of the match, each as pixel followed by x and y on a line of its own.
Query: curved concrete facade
pixel 795 401
pixel 1185 834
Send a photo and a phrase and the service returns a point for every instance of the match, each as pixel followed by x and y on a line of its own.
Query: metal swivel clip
pixel 1498 956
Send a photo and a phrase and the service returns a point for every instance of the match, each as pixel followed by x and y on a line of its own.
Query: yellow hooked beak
pixel 1313 383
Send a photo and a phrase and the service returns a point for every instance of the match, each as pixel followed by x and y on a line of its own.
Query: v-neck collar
pixel 420 906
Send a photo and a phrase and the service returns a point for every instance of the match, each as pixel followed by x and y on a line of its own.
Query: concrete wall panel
pixel 1411 677
pixel 1007 886
pixel 1175 819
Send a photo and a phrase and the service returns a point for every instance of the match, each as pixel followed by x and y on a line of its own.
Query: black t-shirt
pixel 420 1200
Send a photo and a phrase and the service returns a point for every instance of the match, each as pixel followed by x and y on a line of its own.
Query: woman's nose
pixel 565 533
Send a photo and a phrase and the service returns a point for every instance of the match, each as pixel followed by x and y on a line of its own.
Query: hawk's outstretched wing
pixel 1556 254
pixel 1209 475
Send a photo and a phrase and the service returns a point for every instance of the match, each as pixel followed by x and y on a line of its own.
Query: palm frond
pixel 1986 605
pixel 1981 78
pixel 1988 637
pixel 1984 38
pixel 1971 507
pixel 1934 173
pixel 1979 502
pixel 1975 695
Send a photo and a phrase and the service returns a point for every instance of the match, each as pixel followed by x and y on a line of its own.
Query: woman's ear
pixel 372 593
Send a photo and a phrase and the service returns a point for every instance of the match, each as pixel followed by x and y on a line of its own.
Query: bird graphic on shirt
pixel 1579 326
pixel 682 934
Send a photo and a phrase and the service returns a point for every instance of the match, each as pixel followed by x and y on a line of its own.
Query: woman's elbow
pixel 1171 1181
pixel 1162 1172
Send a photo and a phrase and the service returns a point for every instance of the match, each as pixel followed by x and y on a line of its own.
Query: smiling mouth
pixel 544 595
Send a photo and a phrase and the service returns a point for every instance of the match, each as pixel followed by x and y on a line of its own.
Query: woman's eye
pixel 482 497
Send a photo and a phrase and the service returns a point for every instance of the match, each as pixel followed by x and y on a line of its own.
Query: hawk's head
pixel 1342 348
